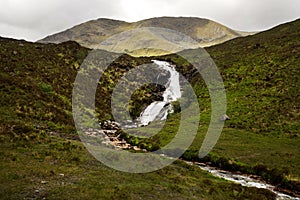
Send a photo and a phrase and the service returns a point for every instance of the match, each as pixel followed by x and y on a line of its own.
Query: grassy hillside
pixel 37 83
pixel 40 156
pixel 261 74
pixel 262 79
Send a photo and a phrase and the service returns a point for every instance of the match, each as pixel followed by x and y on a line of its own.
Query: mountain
pixel 90 34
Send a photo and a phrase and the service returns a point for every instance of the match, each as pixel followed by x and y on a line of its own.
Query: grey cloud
pixel 34 19
pixel 248 15
pixel 47 17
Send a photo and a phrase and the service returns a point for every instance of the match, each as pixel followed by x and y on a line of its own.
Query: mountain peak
pixel 90 34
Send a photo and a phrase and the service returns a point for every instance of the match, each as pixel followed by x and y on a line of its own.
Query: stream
pixel 244 180
pixel 159 110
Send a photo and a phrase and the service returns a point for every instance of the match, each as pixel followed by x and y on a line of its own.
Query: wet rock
pixel 136 148
pixel 224 118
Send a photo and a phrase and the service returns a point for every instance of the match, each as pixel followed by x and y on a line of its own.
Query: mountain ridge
pixel 91 33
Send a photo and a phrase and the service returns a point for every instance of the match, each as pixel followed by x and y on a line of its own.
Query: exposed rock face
pixel 225 118
pixel 110 136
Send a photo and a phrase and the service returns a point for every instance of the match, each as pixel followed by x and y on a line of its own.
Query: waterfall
pixel 159 110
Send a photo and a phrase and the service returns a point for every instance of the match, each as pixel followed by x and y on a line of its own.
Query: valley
pixel 42 155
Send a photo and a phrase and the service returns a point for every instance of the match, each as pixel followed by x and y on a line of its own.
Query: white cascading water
pixel 159 110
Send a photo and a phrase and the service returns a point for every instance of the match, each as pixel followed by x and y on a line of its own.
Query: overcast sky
pixel 35 19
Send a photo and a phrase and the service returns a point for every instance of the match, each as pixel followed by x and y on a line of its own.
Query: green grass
pixel 280 152
pixel 245 149
pixel 33 170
